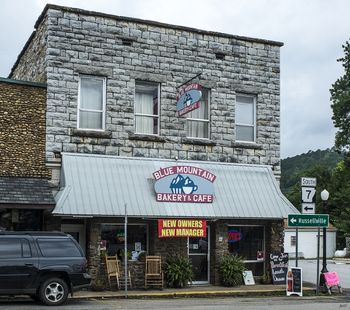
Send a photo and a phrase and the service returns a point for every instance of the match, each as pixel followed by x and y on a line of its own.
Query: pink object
pixel 331 279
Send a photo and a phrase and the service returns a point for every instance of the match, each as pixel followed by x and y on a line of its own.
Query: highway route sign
pixel 308 194
pixel 308 208
pixel 308 182
pixel 308 220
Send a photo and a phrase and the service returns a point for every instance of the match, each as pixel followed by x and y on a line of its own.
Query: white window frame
pixel 201 120
pixel 103 111
pixel 247 125
pixel 153 116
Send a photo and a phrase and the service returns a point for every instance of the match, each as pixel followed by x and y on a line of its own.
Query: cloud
pixel 312 31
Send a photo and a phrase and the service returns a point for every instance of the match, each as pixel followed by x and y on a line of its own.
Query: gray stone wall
pixel 124 50
pixel 31 63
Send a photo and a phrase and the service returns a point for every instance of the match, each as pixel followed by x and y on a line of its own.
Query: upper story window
pixel 147 96
pixel 92 103
pixel 245 118
pixel 198 120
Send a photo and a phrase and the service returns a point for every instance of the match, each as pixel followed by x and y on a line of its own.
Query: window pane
pixel 244 133
pixel 146 105
pixel 197 129
pixel 90 120
pixel 114 237
pixel 58 248
pixel 26 248
pixel 91 94
pixel 10 248
pixel 246 241
pixel 202 112
pixel 244 113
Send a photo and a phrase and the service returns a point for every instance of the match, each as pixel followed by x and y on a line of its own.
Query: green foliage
pixel 340 96
pixel 294 167
pixel 231 269
pixel 332 171
pixel 178 271
pixel 266 278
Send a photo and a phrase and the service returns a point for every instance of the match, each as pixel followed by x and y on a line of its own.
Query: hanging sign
pixel 171 228
pixel 184 184
pixel 188 99
pixel 279 267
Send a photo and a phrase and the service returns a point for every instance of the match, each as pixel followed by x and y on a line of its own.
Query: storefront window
pixel 248 242
pixel 113 238
pixel 20 219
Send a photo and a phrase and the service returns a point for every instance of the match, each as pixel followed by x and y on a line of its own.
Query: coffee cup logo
pixel 181 185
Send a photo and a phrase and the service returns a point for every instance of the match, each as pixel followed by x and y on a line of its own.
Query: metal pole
pixel 296 247
pixel 126 253
pixel 324 259
pixel 318 261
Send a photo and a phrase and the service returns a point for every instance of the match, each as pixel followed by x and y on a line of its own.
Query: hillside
pixel 293 167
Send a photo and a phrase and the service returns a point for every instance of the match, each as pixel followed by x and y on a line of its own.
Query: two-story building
pixel 179 128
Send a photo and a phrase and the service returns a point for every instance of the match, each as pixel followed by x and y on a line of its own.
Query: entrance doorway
pixel 199 254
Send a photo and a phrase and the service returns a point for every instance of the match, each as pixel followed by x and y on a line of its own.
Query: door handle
pixel 29 265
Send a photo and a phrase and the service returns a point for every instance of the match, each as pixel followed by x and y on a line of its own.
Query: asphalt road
pixel 274 303
pixel 310 269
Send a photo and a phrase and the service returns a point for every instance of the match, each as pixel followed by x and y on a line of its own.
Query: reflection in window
pixel 91 102
pixel 58 248
pixel 248 242
pixel 245 118
pixel 113 237
pixel 10 248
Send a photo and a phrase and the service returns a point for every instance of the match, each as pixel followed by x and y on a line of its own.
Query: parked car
pixel 44 265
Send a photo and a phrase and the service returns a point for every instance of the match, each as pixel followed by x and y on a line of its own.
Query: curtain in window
pixel 144 105
pixel 197 124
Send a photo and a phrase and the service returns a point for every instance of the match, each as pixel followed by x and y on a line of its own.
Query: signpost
pixel 308 220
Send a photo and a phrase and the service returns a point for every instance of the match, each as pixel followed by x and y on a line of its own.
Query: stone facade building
pixel 113 90
pixel 24 188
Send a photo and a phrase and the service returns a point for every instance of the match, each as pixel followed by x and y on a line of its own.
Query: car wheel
pixel 53 292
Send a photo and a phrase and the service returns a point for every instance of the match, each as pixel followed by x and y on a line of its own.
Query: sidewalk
pixel 195 291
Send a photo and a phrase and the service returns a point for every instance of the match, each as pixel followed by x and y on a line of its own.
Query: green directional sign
pixel 308 220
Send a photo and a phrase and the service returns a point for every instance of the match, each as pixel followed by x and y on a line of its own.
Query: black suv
pixel 45 265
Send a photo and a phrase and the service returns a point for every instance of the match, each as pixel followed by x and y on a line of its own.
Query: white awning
pixel 98 186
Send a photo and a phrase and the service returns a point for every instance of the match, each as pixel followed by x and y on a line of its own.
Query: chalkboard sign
pixel 294 281
pixel 279 267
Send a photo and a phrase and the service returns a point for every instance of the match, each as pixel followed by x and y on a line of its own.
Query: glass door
pixel 199 254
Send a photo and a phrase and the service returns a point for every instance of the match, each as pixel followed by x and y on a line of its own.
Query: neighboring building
pixel 307 241
pixel 25 194
pixel 115 140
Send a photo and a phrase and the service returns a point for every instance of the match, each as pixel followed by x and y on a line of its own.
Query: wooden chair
pixel 153 272
pixel 112 266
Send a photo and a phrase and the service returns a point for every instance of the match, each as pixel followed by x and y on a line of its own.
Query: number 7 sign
pixel 308 194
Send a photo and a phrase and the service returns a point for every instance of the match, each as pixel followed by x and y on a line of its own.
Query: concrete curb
pixel 187 294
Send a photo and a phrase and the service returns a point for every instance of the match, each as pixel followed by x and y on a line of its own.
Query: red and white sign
pixel 184 184
pixel 188 99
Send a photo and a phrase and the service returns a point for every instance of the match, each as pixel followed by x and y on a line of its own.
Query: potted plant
pixel 266 278
pixel 231 268
pixel 178 271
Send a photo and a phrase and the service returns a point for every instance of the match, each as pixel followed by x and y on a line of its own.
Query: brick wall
pixel 22 129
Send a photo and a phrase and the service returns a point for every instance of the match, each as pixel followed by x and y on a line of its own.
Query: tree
pixel 340 97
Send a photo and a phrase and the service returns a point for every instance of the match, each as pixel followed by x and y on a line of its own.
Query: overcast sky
pixel 313 32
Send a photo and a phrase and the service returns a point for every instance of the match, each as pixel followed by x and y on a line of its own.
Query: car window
pixel 53 247
pixel 26 252
pixel 10 248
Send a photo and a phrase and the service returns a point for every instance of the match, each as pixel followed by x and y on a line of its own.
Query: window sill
pixel 91 133
pixel 247 145
pixel 198 141
pixel 137 136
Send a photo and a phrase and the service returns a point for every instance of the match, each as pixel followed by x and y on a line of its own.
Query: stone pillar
pixel 218 249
